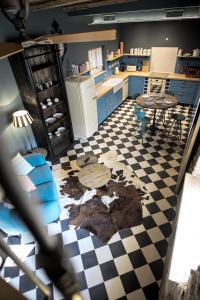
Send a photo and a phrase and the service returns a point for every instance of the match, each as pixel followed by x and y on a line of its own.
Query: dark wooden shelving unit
pixel 52 86
pixel 42 66
pixel 36 66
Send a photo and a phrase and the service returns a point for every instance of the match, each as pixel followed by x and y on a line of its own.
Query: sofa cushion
pixel 41 175
pixel 35 159
pixel 10 223
pixel 45 192
pixel 49 211
pixel 26 183
pixel 21 166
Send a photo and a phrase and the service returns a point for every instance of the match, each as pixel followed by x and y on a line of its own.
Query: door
pixel 89 105
pixel 101 109
pixel 125 89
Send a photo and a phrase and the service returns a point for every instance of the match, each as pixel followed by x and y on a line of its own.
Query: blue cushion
pixel 35 159
pixel 45 192
pixel 49 211
pixel 10 223
pixel 41 175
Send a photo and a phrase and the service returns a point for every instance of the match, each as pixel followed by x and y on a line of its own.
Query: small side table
pixel 42 151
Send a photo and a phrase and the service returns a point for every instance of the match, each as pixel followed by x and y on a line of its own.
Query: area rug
pixel 105 210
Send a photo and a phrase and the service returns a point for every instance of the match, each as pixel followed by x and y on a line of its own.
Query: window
pixel 95 59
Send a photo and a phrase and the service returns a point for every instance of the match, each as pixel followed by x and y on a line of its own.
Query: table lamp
pixel 22 118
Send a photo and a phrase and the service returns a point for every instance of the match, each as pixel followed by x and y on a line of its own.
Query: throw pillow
pixel 26 183
pixel 21 166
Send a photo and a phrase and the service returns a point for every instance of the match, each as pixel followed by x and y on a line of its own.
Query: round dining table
pixel 156 102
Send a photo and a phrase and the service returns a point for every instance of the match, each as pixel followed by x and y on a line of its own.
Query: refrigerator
pixel 81 93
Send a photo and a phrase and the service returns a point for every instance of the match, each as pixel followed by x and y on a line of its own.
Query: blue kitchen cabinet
pixel 101 109
pixel 117 99
pixel 109 100
pixel 107 104
pixel 136 86
pixel 185 91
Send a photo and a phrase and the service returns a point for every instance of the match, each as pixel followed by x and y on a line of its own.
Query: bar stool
pixel 176 124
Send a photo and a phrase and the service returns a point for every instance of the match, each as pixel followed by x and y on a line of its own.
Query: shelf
pixel 41 54
pixel 142 55
pixel 53 126
pixel 8 49
pixel 127 54
pixel 114 58
pixel 42 67
pixel 194 57
pixel 52 106
pixel 86 71
pixel 57 84
pixel 56 139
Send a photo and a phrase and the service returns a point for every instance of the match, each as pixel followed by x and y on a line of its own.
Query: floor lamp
pixel 22 118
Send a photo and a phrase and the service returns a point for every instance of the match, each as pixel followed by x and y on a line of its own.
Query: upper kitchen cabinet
pixel 39 77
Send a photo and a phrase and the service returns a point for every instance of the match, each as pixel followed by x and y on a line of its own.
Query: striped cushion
pixel 21 166
pixel 26 183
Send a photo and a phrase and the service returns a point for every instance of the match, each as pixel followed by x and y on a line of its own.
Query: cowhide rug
pixel 103 211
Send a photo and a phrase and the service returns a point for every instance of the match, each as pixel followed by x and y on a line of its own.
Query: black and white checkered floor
pixel 130 265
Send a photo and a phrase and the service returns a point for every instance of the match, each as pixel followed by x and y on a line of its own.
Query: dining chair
pixel 141 121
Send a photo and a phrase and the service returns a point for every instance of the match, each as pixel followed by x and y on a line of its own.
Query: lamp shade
pixel 22 118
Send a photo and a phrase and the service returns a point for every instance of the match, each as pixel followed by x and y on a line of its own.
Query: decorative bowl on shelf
pixel 58 115
pixel 50 120
pixel 61 129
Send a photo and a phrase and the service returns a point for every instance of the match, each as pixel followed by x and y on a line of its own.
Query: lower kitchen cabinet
pixel 107 104
pixel 101 109
pixel 135 86
pixel 185 91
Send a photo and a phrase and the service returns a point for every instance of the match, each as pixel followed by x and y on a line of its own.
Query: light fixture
pixel 22 118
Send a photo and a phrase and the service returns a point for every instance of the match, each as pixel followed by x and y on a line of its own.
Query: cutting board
pixel 163 59
pixel 145 66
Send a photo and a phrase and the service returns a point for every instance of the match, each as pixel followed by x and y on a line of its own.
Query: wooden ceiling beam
pixel 71 5
pixel 45 4
pixel 94 4
pixel 93 36
pixel 7 49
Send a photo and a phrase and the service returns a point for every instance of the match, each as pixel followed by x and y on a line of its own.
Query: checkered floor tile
pixel 130 265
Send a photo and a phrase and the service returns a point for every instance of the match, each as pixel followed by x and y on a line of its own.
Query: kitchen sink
pixel 116 83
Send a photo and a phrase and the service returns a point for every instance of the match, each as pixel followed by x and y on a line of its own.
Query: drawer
pixel 189 90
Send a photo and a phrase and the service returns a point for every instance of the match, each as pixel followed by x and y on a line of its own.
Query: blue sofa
pixel 45 192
